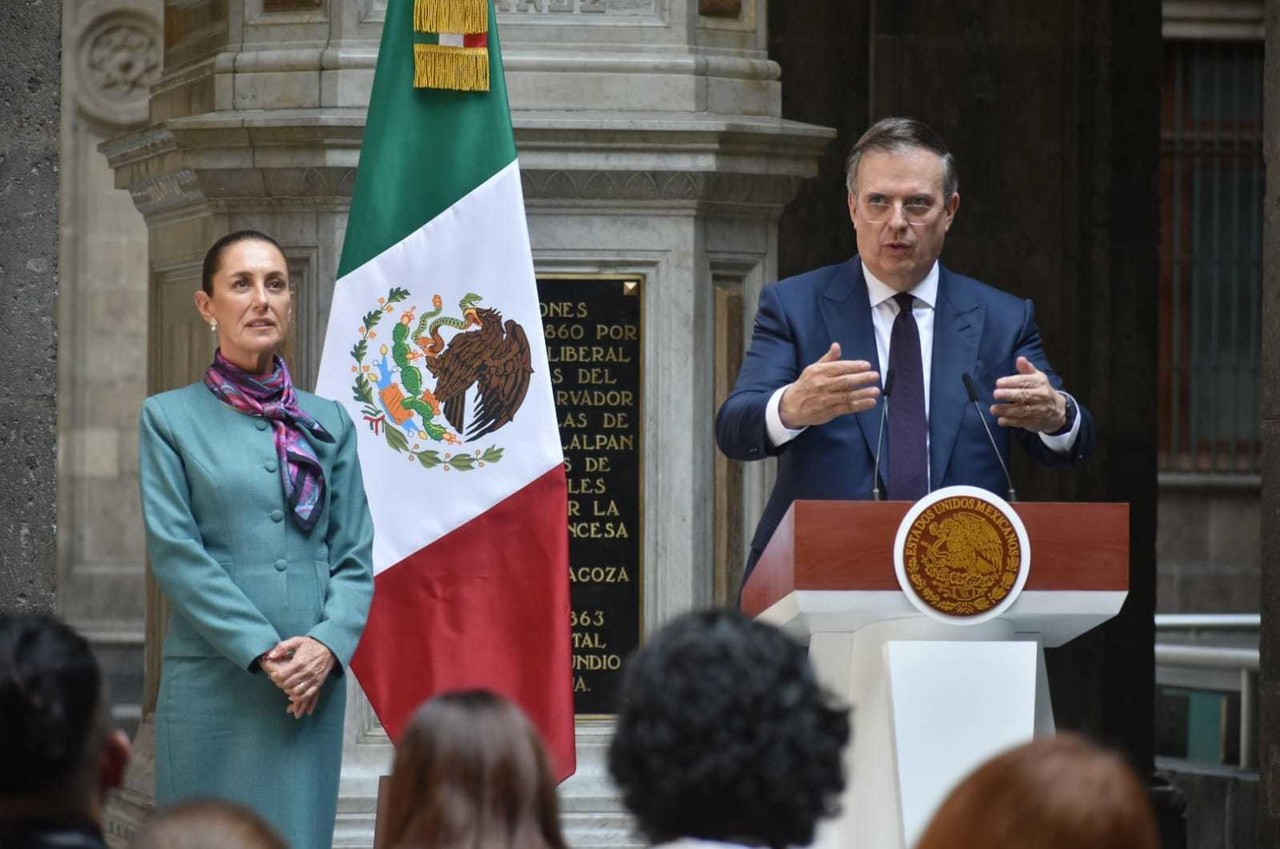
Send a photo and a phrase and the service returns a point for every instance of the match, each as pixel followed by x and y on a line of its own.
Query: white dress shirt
pixel 884 309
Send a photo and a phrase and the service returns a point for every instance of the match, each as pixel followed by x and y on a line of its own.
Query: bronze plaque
pixel 593 331
pixel 290 5
pixel 720 8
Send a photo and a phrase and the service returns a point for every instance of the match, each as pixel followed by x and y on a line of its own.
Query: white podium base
pixel 929 703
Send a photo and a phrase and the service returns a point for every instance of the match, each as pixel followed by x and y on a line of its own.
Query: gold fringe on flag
pixel 458 68
pixel 460 16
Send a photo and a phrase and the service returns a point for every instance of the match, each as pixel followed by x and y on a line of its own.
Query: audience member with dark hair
pixel 471 773
pixel 58 752
pixel 208 824
pixel 724 734
pixel 1052 793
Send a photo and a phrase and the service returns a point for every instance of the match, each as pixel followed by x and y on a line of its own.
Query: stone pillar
pixel 1269 601
pixel 112 56
pixel 30 80
pixel 650 142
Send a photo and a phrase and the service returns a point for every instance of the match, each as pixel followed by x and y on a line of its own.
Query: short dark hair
pixel 51 704
pixel 724 733
pixel 213 256
pixel 899 134
pixel 471 770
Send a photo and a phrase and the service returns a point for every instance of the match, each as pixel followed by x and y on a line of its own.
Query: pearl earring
pixel 213 325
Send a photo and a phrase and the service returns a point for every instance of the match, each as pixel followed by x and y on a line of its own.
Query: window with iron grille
pixel 1211 175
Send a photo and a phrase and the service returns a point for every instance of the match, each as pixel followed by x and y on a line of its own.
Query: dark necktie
pixel 908 427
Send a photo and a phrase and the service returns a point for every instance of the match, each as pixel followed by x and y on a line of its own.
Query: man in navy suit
pixel 810 387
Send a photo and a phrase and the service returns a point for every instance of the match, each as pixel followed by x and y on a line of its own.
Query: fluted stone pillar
pixel 650 143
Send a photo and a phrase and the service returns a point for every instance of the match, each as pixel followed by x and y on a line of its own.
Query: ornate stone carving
pixel 123 61
pixel 119 56
pixel 629 8
pixel 659 187
pixel 373 11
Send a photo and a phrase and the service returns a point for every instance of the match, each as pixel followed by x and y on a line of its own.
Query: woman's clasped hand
pixel 299 666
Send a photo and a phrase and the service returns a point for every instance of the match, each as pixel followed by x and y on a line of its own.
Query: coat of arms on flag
pixel 485 359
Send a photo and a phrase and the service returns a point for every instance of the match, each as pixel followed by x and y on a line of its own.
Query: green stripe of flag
pixel 423 149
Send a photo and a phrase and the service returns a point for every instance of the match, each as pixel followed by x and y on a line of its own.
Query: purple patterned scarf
pixel 273 398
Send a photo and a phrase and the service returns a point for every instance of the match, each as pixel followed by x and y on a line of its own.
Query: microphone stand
pixel 876 493
pixel 972 389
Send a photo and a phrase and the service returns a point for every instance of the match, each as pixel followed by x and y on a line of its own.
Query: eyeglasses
pixel 917 212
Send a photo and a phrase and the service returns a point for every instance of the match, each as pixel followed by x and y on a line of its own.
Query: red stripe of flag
pixel 473 609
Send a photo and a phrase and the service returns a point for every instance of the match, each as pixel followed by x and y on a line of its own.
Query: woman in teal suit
pixel 259 534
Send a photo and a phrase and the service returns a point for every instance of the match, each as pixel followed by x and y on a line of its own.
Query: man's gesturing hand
pixel 828 388
pixel 1027 400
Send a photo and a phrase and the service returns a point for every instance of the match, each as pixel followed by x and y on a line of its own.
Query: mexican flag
pixel 435 347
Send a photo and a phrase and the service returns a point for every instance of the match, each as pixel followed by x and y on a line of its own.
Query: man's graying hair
pixel 895 135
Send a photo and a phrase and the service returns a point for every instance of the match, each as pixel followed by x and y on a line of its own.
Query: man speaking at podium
pixel 810 387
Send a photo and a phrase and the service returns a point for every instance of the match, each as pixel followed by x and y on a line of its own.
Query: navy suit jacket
pixel 976 329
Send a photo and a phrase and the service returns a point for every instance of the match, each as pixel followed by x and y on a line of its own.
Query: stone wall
pixel 1207 548
pixel 29 91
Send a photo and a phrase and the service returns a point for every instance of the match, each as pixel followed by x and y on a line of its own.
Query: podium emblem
pixel 962 555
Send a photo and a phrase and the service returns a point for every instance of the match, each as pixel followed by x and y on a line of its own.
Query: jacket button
pixel 281 565
pixel 270 465
pixel 276 515
pixel 754 451
pixel 261 424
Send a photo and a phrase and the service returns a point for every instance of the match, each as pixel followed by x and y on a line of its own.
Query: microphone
pixel 972 389
pixel 876 493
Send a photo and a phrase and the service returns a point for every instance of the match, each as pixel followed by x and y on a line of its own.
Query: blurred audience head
pixel 724 733
pixel 470 773
pixel 208 824
pixel 1052 793
pixel 58 752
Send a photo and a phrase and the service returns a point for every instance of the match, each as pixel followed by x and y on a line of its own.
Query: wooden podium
pixel 930 700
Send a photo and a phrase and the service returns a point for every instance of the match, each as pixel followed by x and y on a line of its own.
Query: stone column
pixel 650 142
pixel 112 56
pixel 30 80
pixel 1269 602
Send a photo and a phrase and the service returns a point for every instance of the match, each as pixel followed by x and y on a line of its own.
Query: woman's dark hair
pixel 208 824
pixel 213 257
pixel 723 733
pixel 1052 793
pixel 471 773
pixel 51 711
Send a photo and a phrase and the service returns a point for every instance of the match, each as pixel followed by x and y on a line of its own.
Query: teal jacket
pixel 238 572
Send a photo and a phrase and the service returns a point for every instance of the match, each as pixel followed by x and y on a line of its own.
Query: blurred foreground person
pixel 58 752
pixel 208 824
pixel 471 773
pixel 724 734
pixel 1052 793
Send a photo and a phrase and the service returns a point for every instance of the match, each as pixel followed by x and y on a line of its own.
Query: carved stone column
pixel 112 54
pixel 650 143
